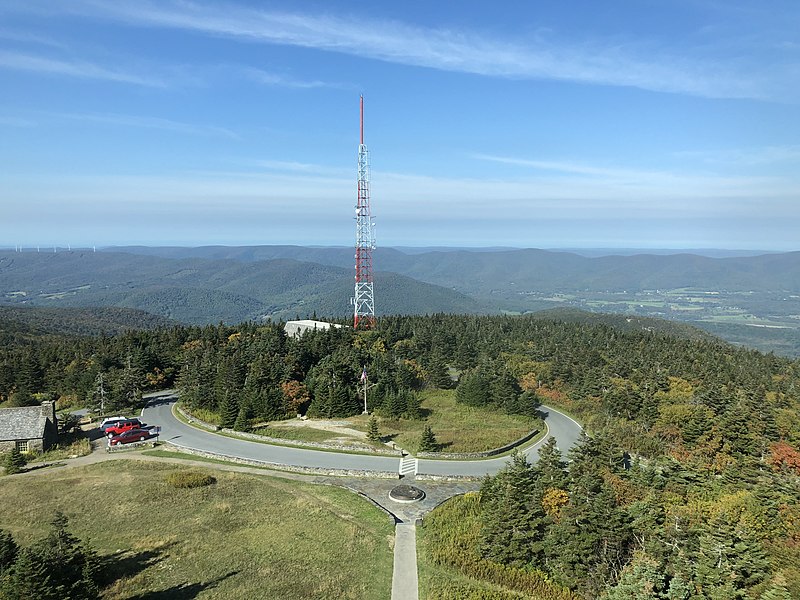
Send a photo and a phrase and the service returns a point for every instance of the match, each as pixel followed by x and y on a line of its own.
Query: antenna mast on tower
pixel 364 299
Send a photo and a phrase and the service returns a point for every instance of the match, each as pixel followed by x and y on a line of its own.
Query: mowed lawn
pixel 246 536
pixel 457 427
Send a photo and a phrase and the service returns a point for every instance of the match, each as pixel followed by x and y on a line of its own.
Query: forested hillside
pixel 688 485
pixel 750 300
pixel 478 272
pixel 30 322
pixel 201 291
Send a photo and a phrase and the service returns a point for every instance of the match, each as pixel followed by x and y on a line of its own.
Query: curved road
pixel 159 412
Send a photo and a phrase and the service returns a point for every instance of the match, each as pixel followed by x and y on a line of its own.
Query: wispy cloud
pixel 767 155
pixel 16 122
pixel 657 68
pixel 571 168
pixel 309 168
pixel 29 38
pixel 273 79
pixel 147 122
pixel 82 69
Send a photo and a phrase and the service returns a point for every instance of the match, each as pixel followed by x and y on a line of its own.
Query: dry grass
pixel 246 536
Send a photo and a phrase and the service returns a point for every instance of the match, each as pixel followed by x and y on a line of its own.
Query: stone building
pixel 28 428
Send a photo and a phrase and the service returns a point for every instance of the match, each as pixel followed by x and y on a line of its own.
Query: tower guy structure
pixel 364 298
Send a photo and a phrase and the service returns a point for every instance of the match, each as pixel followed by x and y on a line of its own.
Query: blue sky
pixel 647 124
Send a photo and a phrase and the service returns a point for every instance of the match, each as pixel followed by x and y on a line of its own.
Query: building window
pixel 22 445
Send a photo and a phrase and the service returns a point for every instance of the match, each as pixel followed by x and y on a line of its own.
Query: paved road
pixel 563 428
pixel 159 412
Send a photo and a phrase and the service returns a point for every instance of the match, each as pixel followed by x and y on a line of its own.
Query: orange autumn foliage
pixel 783 457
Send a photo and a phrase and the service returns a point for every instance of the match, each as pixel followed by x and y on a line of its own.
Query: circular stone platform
pixel 406 493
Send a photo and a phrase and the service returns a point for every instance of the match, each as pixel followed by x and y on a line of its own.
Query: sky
pixel 547 124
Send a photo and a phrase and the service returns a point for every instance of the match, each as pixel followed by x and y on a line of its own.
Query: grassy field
pixel 458 428
pixel 245 536
pixel 301 434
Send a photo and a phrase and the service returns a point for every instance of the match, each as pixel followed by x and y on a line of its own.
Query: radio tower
pixel 364 299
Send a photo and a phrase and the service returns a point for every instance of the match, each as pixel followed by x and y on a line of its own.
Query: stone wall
pixel 34 445
pixel 283 442
pixel 475 455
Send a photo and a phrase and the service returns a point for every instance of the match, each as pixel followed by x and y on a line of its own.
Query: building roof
pixel 22 423
pixel 296 328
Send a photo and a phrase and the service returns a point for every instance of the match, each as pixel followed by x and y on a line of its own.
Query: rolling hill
pixel 201 290
pixel 477 272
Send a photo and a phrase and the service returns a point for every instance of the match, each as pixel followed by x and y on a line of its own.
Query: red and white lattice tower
pixel 364 299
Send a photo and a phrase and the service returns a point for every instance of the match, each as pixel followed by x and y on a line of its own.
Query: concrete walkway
pixel 404 578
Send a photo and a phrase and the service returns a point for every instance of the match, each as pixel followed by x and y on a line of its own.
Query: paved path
pixel 159 412
pixel 404 578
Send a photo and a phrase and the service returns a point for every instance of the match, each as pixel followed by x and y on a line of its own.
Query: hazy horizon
pixel 665 125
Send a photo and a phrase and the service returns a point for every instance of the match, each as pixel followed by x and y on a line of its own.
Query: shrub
pixel 189 479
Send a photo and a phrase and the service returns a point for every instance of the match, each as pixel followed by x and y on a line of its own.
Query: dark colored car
pixel 122 426
pixel 130 436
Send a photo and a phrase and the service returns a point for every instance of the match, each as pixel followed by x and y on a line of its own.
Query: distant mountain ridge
pixel 202 290
pixel 474 272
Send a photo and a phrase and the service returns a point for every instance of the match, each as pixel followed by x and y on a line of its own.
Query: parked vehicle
pixel 122 426
pixel 129 436
pixel 109 421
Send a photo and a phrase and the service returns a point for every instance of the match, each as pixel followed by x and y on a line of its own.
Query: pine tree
pixel 550 469
pixel 642 579
pixel 512 521
pixel 242 422
pixel 473 389
pixel 427 442
pixel 373 435
pixel 57 567
pixel 437 372
pixel 8 550
pixel 395 404
pixel 229 411
pixel 504 390
pixel 413 407
pixel 15 461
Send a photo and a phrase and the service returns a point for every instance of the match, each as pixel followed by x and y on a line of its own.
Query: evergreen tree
pixel 504 390
pixel 473 389
pixel 229 411
pixel 550 469
pixel 413 407
pixel 437 372
pixel 8 551
pixel 14 462
pixel 395 404
pixel 57 567
pixel 342 403
pixel 242 422
pixel 427 442
pixel 642 579
pixel 512 521
pixel 373 434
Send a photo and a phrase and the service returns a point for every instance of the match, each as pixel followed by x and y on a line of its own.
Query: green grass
pixel 245 536
pixel 299 434
pixel 458 428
